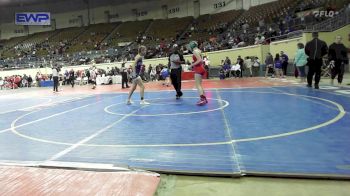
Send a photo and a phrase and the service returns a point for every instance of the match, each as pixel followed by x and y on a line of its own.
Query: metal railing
pixel 334 23
pixel 290 35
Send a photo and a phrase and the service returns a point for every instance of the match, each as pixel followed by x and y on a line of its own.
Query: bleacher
pixel 63 36
pixel 167 29
pixel 35 39
pixel 205 24
pixel 91 37
pixel 128 32
pixel 8 46
pixel 266 12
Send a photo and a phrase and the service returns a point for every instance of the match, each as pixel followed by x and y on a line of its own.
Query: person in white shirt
pixel 236 70
pixel 153 74
pixel 93 76
pixel 256 66
pixel 55 78
pixel 248 65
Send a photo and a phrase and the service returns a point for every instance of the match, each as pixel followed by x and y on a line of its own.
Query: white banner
pixel 33 18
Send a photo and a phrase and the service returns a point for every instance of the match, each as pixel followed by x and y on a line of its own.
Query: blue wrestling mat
pixel 277 131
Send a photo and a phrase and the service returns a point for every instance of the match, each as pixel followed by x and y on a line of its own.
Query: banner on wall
pixel 33 18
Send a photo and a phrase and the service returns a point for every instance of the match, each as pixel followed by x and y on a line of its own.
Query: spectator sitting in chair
pixel 227 67
pixel 259 40
pixel 222 73
pixel 165 75
pixel 236 70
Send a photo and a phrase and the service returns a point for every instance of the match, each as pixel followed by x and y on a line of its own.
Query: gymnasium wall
pixel 249 3
pixel 289 47
pixel 217 56
pixel 38 29
pixel 179 8
pixel 217 6
pixel 329 37
pixel 8 30
pixel 70 19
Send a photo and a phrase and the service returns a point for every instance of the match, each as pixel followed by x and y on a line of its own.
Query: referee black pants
pixel 314 69
pixel 175 76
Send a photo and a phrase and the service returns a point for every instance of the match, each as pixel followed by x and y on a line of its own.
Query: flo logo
pixel 328 14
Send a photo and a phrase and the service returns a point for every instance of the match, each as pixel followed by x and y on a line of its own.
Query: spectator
pixel 240 62
pixel 284 59
pixel 222 73
pixel 259 39
pixel 93 76
pixel 158 69
pixel 278 66
pixel 227 67
pixel 207 65
pixel 236 70
pixel 55 72
pixel 38 78
pixel 153 74
pixel 66 77
pixel 248 64
pixel 268 63
pixel 300 61
pixel 124 76
pixel 149 72
pixel 337 55
pixel 256 66
pixel 165 75
pixel 71 77
pixel 30 81
pixel 2 83
pixel 227 61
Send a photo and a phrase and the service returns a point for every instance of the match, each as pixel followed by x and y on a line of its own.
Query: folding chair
pixel 325 69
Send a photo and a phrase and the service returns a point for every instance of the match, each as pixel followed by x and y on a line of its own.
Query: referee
pixel 315 49
pixel 175 61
